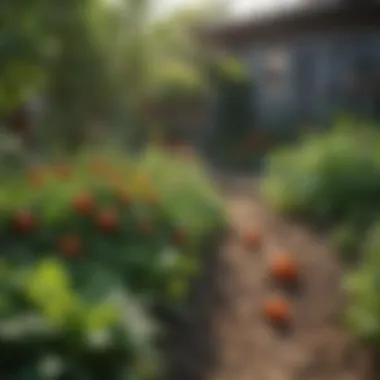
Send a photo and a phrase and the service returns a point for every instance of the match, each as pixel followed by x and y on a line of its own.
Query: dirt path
pixel 226 337
pixel 316 347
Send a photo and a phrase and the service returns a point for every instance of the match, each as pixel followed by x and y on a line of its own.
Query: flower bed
pixel 90 246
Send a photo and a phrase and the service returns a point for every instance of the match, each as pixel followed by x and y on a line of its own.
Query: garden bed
pixel 92 248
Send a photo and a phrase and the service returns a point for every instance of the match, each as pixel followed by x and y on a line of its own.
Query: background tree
pixel 97 62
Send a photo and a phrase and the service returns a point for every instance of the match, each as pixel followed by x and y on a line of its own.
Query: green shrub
pixel 187 193
pixel 113 219
pixel 330 176
pixel 347 239
pixel 12 155
pixel 362 286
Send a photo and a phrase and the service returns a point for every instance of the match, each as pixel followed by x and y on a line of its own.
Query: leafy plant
pixel 329 175
pixel 362 286
pixel 331 178
pixel 49 329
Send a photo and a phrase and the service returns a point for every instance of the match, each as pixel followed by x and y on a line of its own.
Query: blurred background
pixel 201 72
pixel 116 118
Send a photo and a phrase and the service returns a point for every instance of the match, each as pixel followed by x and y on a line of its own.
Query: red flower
pixel 24 221
pixel 107 220
pixel 70 246
pixel 84 204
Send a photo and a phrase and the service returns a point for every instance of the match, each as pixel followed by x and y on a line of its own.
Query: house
pixel 309 62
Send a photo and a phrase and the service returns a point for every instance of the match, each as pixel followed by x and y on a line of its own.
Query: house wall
pixel 317 78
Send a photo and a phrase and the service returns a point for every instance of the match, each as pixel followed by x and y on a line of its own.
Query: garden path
pixel 316 347
pixel 226 336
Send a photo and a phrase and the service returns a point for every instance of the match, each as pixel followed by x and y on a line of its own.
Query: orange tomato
pixel 277 310
pixel 284 269
pixel 84 203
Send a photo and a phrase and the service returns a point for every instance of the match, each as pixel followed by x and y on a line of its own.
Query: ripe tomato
pixel 277 310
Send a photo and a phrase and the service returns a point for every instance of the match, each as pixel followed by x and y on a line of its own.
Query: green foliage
pixel 332 179
pixel 80 56
pixel 232 69
pixel 234 118
pixel 187 192
pixel 347 238
pixel 78 238
pixel 128 232
pixel 175 80
pixel 24 47
pixel 362 286
pixel 12 159
pixel 328 177
pixel 51 329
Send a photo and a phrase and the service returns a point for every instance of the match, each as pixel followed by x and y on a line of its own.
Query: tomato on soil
pixel 277 310
pixel 284 269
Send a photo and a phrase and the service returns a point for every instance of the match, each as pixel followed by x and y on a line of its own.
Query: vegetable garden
pixel 101 252
pixel 92 248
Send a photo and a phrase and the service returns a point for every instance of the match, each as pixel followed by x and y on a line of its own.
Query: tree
pixel 25 46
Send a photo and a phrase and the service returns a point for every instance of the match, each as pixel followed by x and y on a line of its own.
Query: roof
pixel 300 18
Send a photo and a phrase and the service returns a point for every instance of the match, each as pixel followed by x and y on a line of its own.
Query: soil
pixel 225 336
